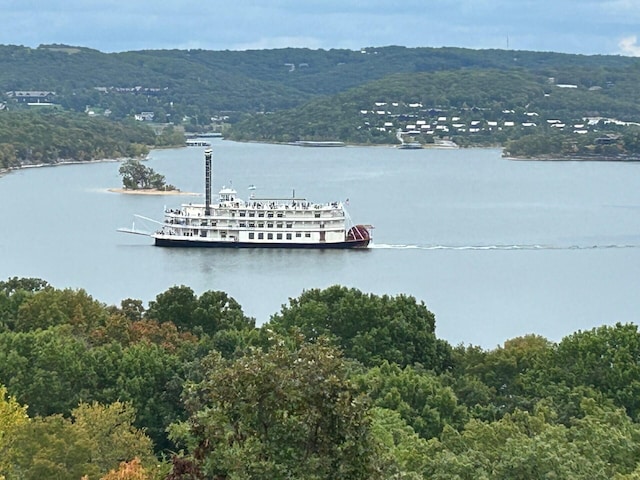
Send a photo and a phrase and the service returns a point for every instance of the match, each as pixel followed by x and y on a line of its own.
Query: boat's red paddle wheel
pixel 359 234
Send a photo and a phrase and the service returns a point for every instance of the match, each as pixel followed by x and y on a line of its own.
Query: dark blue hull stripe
pixel 164 242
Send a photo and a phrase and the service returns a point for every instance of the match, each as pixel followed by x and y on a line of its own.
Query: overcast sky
pixel 571 26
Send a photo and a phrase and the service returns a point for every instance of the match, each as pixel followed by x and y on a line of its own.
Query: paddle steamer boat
pixel 258 222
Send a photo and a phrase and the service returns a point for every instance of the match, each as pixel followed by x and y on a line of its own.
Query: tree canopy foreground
pixel 338 384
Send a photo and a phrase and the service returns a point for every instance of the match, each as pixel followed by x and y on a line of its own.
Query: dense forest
pixel 527 113
pixel 338 384
pixel 49 137
pixel 204 83
pixel 589 106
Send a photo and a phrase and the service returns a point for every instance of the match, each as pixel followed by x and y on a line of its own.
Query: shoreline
pixel 152 191
pixel 570 158
pixel 5 171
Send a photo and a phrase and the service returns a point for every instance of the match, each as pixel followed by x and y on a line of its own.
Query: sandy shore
pixel 4 171
pixel 152 191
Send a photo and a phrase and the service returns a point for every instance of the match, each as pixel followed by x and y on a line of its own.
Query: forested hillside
pixel 204 83
pixel 31 138
pixel 531 114
pixel 201 82
pixel 372 96
pixel 338 384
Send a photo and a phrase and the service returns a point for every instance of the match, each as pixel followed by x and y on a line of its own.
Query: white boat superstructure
pixel 259 222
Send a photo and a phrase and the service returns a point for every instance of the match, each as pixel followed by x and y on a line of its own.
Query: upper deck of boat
pixel 262 206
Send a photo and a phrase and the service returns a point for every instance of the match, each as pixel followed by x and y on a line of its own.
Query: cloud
pixel 629 46
pixel 119 25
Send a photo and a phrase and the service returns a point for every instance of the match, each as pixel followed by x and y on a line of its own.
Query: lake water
pixel 495 248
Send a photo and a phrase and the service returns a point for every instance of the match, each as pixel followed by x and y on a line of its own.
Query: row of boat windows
pixel 258 224
pixel 278 236
pixel 251 214
pixel 269 225
pixel 252 235
pixel 243 214
pixel 261 225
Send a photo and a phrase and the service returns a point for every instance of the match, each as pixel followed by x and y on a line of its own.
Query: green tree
pixel 525 445
pixel 49 370
pixel 132 309
pixel 510 373
pixel 12 417
pixel 50 447
pixel 176 305
pixel 281 413
pixel 367 328
pixel 136 176
pixel 29 284
pixel 112 438
pixel 150 378
pixel 51 307
pixel 34 137
pixel 606 359
pixel 90 443
pixel 215 311
pixel 211 313
pixel 404 453
pixel 419 397
pixel 13 293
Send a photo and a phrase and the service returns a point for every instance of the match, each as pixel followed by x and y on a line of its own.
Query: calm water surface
pixel 495 248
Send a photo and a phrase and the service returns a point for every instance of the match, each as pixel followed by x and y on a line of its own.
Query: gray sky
pixel 571 26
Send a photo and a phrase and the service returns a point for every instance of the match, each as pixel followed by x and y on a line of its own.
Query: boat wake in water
pixel 384 246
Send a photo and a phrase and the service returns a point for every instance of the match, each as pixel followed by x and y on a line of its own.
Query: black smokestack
pixel 207 182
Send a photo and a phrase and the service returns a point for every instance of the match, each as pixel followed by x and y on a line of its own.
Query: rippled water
pixel 495 248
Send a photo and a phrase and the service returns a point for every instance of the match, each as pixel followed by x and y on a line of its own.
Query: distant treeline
pixel 486 97
pixel 338 384
pixel 53 136
pixel 528 113
pixel 203 83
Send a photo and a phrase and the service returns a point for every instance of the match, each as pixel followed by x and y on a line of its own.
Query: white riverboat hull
pixel 257 223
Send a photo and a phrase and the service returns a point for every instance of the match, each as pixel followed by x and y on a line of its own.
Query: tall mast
pixel 207 182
